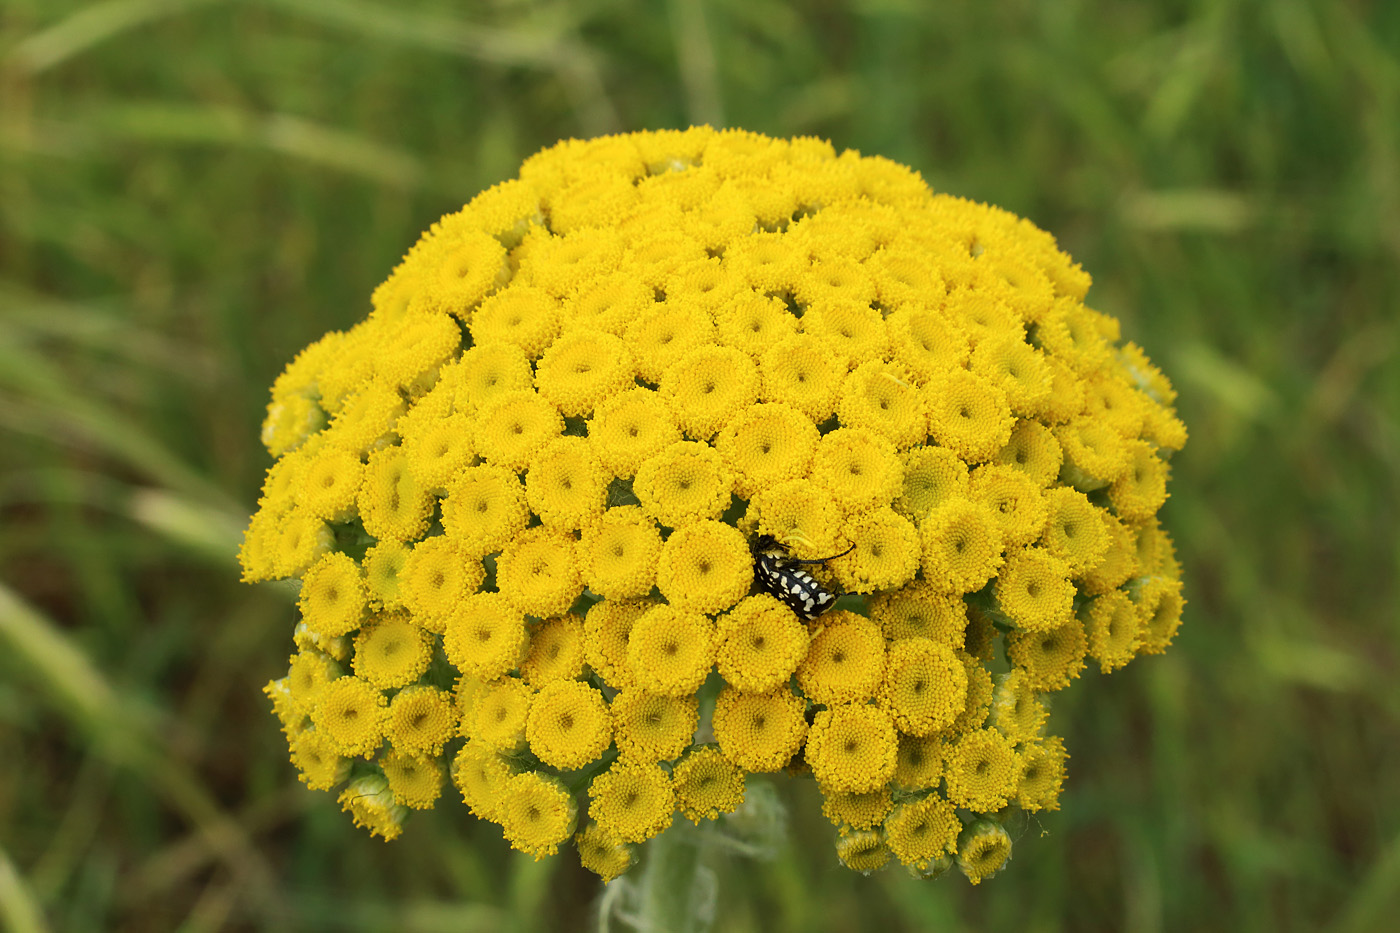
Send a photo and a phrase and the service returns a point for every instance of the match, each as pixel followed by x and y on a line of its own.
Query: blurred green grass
pixel 191 190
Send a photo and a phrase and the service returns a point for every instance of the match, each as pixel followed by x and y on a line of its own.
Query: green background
pixel 191 191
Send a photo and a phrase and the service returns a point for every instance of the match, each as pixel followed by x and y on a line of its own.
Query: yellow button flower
pixel 705 566
pixel 670 650
pixel 707 784
pixel 845 661
pixel 541 466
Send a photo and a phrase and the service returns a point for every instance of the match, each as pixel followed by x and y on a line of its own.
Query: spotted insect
pixel 781 575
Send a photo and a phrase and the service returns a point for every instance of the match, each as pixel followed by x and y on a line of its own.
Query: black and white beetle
pixel 780 574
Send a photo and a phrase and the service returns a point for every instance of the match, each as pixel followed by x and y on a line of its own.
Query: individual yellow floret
pixel 562 264
pixel 555 651
pixel 837 278
pixel 1034 590
pixel 608 626
pixel 921 609
pixel 515 427
pixel 882 397
pixel 471 267
pixel 767 444
pixel 671 650
pixel 602 853
pixel 538 572
pixel 982 315
pixel 760 643
pixel 415 350
pixel 968 414
pixel 980 690
pixel 707 387
pixel 1051 659
pixel 664 333
pixel 393 504
pixel 525 316
pixel 863 851
pixel 350 713
pixel 705 566
pixel 1140 491
pixel 586 197
pixel 981 770
pixel 257 553
pixel 331 483
pixel 1042 773
pixel 886 552
pixel 919 762
pixel 569 725
pixel 800 515
pixel 1074 532
pixel 984 848
pixel 484 509
pixel 371 804
pixel 366 420
pixel 924 687
pixel 484 374
pixel 653 726
pixel 1017 368
pixel 618 553
pixel 707 784
pixel 307 674
pixel 333 596
pixel 607 304
pixel 301 540
pixel 962 546
pixel 859 468
pixel 1015 501
pixel 319 764
pixel 753 321
pixel 851 748
pixel 633 800
pixel 437 576
pixel 566 486
pixel 684 483
pixel 921 830
pixel 1159 604
pixel 583 369
pixel 656 258
pixel 851 329
pixel 390 651
pixel 414 780
pixel 289 422
pixel 706 281
pixel 803 372
pixel 438 450
pixel 485 636
pixel 1034 451
pixel 502 711
pixel 1017 712
pixel 927 341
pixel 767 262
pixel 306 639
pixel 1094 454
pixel 903 277
pixel 1113 630
pixel 481 775
pixel 845 661
pixel 932 476
pixel 759 731
pixel 851 812
pixel 1119 563
pixel 538 813
pixel 421 719
pixel 630 428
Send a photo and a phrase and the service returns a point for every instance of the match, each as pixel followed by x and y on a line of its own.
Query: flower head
pixel 526 498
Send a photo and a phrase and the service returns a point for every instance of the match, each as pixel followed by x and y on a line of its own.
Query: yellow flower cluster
pixel 521 499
